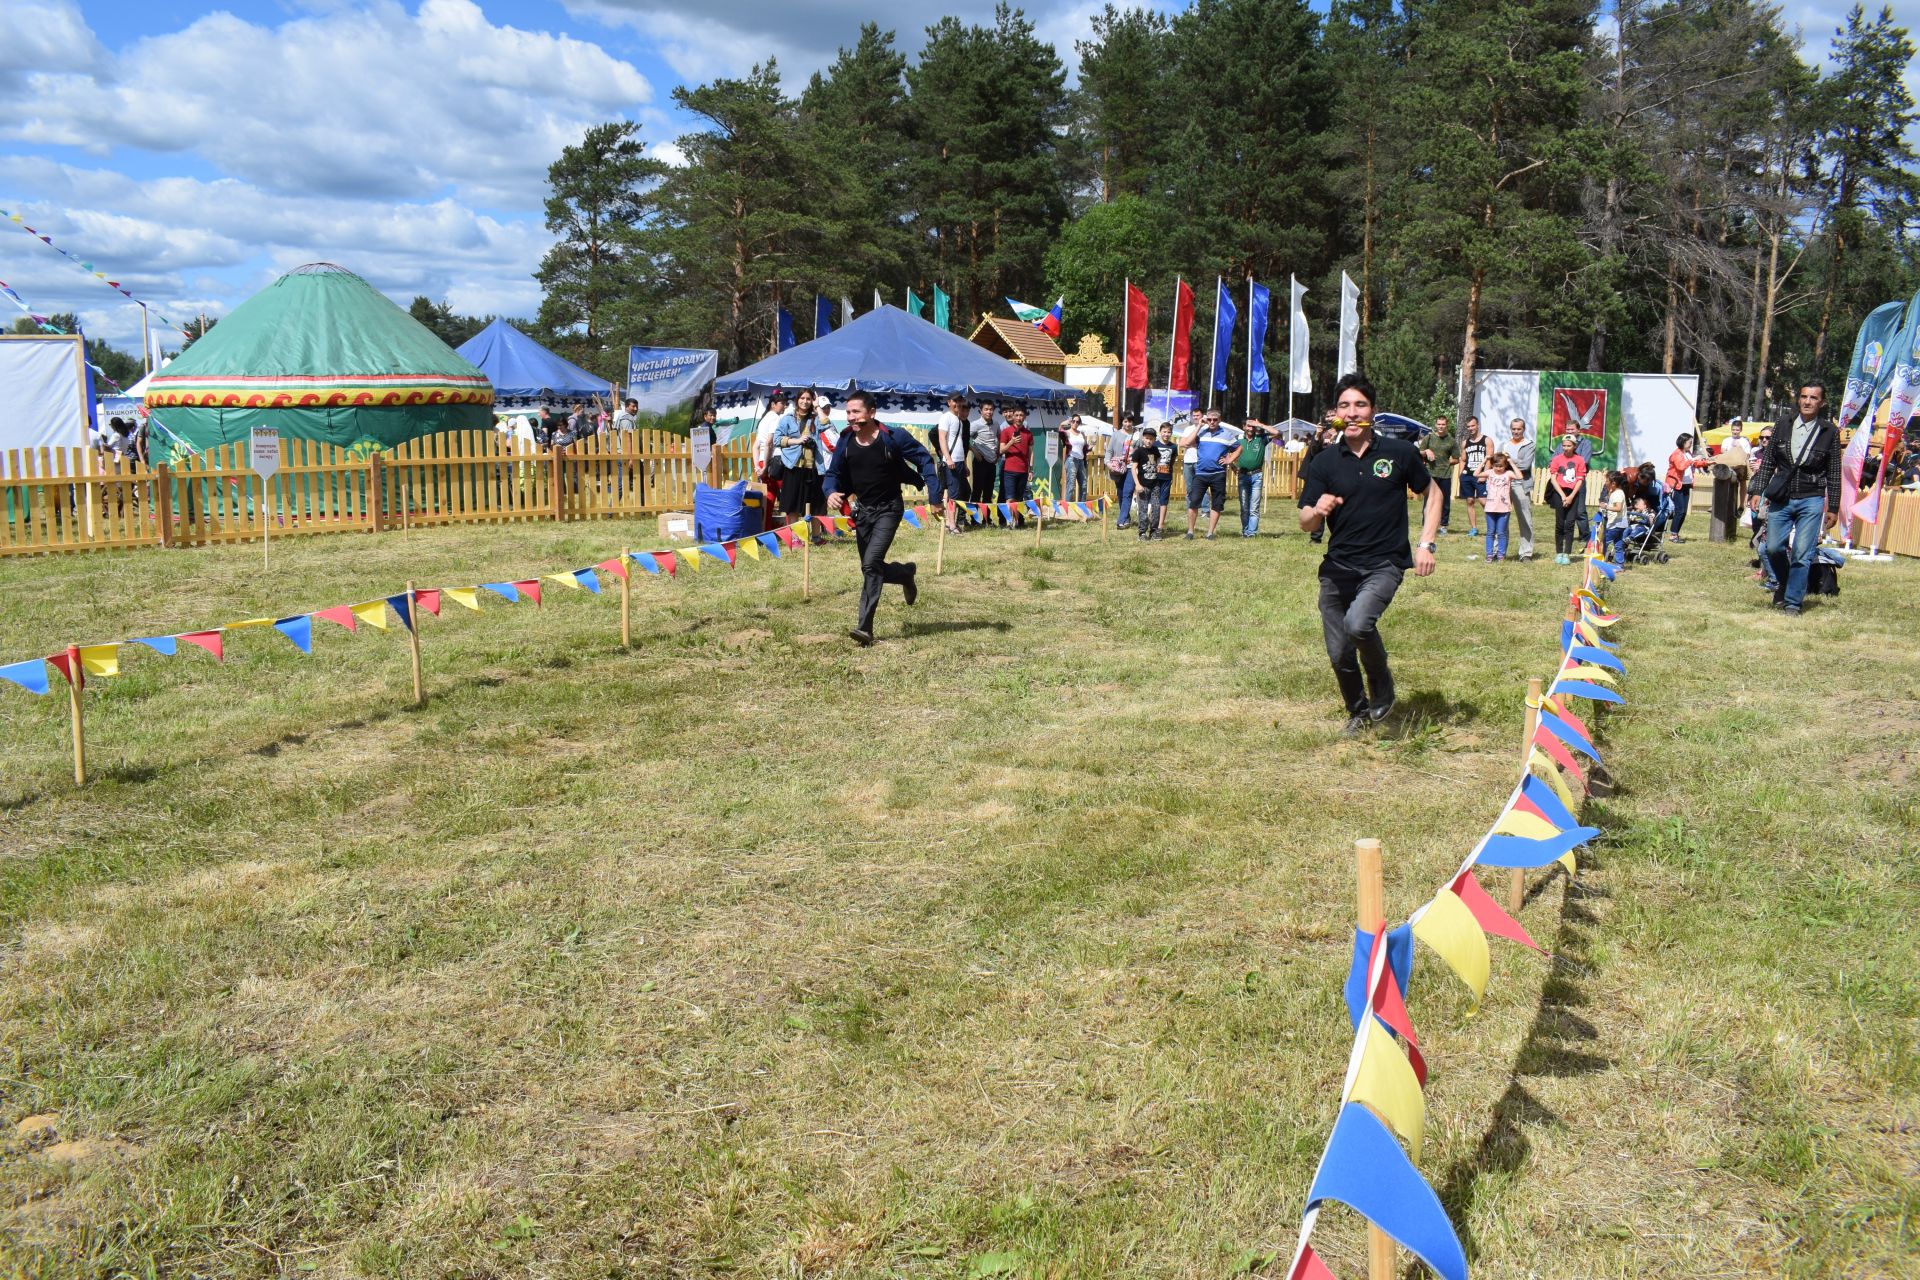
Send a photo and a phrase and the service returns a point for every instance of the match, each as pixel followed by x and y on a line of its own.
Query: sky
pixel 195 151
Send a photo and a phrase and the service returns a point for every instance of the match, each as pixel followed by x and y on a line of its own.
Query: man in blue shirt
pixel 1216 446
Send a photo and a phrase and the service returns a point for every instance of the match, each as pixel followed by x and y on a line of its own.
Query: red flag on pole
pixel 1136 354
pixel 1182 336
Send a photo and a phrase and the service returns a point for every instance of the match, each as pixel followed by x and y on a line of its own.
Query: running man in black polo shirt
pixel 869 465
pixel 1357 488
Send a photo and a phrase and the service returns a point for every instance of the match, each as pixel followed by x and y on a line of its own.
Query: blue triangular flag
pixel 717 551
pixel 1548 802
pixel 912 519
pixel 1399 959
pixel 161 644
pixel 298 629
pixel 771 541
pixel 1365 1169
pixel 1568 734
pixel 588 579
pixel 645 560
pixel 1033 508
pixel 400 604
pixel 505 590
pixel 1006 513
pixel 1587 689
pixel 1605 568
pixel 1598 657
pixel 1525 853
pixel 30 675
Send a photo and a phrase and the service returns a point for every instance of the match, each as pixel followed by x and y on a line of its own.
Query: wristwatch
pixel 1430 546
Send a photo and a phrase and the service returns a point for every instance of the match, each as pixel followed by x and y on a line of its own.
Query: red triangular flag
pixel 614 566
pixel 1523 804
pixel 208 640
pixel 1392 1008
pixel 921 511
pixel 1492 917
pixel 1559 708
pixel 428 598
pixel 667 561
pixel 340 613
pixel 785 534
pixel 1309 1267
pixel 733 551
pixel 530 589
pixel 1558 753
pixel 66 668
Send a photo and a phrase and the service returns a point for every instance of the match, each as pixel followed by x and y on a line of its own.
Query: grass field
pixel 1011 946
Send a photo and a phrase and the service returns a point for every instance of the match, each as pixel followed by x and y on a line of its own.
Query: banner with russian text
pixel 672 384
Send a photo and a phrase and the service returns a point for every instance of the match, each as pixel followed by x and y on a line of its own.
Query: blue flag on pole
pixel 784 336
pixel 1364 1168
pixel 1257 338
pixel 1225 314
pixel 822 316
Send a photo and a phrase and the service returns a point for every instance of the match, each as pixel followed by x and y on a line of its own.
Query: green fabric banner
pixel 1588 406
pixel 916 306
pixel 942 308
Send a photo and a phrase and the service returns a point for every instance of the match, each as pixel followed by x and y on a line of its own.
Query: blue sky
pixel 196 151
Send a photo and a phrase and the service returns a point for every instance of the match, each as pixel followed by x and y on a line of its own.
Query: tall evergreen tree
pixel 859 115
pixel 598 192
pixel 1125 109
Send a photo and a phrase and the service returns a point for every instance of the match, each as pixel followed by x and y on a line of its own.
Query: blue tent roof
pixel 521 369
pixel 889 351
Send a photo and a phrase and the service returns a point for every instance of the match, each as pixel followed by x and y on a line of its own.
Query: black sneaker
pixel 862 638
pixel 911 587
pixel 1382 711
pixel 1357 724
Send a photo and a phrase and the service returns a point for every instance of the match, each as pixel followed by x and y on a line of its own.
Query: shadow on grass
pixel 944 628
pixel 1428 707
pixel 1557 1045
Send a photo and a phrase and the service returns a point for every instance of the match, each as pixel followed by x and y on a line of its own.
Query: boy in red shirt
pixel 1016 462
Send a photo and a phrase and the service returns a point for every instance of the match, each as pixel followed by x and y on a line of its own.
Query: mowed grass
pixel 1012 946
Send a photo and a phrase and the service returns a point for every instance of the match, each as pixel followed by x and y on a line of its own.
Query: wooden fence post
pixel 413 643
pixel 377 491
pixel 626 599
pixel 940 550
pixel 1516 878
pixel 163 503
pixel 75 678
pixel 1371 917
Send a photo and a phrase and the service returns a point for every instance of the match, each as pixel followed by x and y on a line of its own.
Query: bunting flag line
pixel 91 270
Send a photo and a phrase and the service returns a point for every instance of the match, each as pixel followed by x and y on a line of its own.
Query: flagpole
pixel 1172 331
pixel 1126 340
pixel 1213 362
pixel 1249 409
pixel 146 342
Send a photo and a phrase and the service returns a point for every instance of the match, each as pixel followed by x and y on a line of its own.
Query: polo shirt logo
pixel 1383 467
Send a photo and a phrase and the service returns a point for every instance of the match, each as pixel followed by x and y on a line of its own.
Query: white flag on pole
pixel 1299 375
pixel 1349 327
pixel 877 303
pixel 846 311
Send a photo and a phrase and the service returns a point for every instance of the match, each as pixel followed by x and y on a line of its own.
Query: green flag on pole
pixel 916 306
pixel 942 308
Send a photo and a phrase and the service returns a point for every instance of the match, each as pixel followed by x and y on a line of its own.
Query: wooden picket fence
pixel 81 500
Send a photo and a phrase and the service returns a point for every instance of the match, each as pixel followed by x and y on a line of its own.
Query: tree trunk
pixel 1753 329
pixel 1366 244
pixel 1766 320
pixel 1673 305
pixel 1470 344
pixel 1834 262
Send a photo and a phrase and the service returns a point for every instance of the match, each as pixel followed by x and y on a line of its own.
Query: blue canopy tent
pixel 521 369
pixel 894 355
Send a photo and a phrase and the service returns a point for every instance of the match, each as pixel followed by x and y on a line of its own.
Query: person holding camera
pixel 1799 476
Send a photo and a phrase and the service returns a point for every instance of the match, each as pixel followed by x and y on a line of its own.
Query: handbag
pixel 1781 481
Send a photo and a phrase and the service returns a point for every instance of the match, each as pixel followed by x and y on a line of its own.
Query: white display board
pixel 1656 408
pixel 45 397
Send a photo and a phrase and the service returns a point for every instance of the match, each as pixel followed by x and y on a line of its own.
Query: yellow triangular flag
pixel 244 623
pixel 373 613
pixel 690 559
pixel 803 530
pixel 1530 826
pixel 565 580
pixel 468 596
pixel 1586 632
pixel 1385 1082
pixel 1585 672
pixel 1586 593
pixel 1599 621
pixel 1551 772
pixel 751 546
pixel 1448 927
pixel 100 659
pixel 1566 860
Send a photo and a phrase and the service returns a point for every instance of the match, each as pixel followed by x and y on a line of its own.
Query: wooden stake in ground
pixel 940 550
pixel 1516 878
pixel 1039 522
pixel 1104 522
pixel 413 644
pixel 74 677
pixel 1371 916
pixel 626 599
pixel 806 556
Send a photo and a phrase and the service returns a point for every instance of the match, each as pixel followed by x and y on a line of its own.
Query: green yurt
pixel 322 355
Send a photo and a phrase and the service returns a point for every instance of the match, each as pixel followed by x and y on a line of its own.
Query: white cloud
pixel 374 101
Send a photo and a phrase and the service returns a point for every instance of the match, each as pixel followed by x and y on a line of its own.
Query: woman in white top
pixel 1075 487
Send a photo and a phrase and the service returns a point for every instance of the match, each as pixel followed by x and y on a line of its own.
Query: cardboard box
pixel 676 526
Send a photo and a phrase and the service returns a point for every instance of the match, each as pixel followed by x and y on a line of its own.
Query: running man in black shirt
pixel 870 464
pixel 1357 488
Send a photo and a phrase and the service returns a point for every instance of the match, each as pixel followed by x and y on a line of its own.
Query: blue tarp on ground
pixel 891 352
pixel 521 369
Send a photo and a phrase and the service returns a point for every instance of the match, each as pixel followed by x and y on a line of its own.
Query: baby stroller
pixel 1646 537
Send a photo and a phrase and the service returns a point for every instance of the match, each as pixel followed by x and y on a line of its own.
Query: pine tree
pixel 599 191
pixel 1124 110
